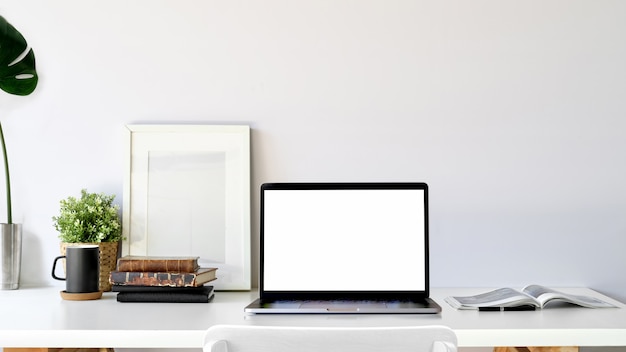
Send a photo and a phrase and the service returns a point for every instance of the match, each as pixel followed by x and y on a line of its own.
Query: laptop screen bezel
pixel 325 295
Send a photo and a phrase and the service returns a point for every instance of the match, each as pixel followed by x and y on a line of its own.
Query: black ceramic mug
pixel 82 269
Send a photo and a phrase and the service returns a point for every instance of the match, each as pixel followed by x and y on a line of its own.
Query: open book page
pixel 545 295
pixel 502 297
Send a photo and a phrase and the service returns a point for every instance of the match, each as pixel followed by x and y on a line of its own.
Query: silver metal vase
pixel 11 246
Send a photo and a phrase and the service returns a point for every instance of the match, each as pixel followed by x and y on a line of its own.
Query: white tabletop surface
pixel 38 317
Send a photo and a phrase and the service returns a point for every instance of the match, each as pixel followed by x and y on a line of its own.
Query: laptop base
pixel 426 306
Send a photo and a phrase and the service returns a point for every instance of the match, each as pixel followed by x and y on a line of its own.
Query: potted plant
pixel 18 77
pixel 91 219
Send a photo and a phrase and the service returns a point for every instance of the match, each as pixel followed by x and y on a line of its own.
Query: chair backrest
pixel 226 338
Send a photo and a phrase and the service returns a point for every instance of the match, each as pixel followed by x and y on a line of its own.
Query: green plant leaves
pixel 17 65
pixel 91 218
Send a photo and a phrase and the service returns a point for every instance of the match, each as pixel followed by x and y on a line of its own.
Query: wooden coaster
pixel 81 296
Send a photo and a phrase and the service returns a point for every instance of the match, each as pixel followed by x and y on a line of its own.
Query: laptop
pixel 344 248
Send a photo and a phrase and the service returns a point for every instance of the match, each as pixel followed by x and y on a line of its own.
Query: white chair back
pixel 225 338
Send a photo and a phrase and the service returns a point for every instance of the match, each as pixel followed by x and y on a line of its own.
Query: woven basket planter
pixel 108 260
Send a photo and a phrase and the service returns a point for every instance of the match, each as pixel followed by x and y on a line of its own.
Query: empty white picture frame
pixel 187 193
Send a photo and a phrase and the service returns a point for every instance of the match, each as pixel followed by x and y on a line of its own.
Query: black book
pixel 204 294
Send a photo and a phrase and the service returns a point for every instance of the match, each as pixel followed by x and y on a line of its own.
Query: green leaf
pixel 17 62
pixel 18 77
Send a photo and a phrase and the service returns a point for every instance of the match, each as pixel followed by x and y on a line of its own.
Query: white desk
pixel 38 317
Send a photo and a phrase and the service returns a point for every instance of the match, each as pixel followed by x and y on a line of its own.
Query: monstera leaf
pixel 17 65
pixel 17 77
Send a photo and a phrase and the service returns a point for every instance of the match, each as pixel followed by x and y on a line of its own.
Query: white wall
pixel 513 112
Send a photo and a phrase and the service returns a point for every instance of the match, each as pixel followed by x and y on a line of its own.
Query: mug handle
pixel 54 266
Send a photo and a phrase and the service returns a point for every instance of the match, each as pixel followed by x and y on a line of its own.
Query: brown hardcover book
pixel 138 278
pixel 158 264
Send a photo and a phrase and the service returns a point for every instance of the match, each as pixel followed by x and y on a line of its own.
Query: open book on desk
pixel 530 297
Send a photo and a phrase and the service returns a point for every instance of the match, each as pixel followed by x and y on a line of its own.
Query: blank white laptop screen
pixel 344 240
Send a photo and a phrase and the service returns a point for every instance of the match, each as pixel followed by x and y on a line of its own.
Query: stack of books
pixel 162 279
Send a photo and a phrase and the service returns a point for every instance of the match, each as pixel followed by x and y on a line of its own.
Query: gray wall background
pixel 513 112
